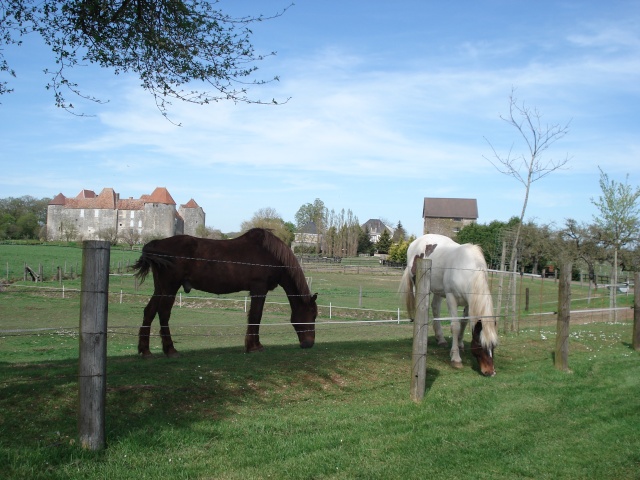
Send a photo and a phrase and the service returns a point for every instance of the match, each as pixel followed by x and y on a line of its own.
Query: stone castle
pixel 88 216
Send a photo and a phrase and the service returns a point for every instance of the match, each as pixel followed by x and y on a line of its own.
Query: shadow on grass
pixel 39 400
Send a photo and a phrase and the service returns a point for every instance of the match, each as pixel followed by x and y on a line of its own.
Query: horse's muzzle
pixel 307 343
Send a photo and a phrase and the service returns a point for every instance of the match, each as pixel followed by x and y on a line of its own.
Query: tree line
pixel 324 231
pixel 23 218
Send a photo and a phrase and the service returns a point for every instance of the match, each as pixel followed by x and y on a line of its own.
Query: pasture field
pixel 339 410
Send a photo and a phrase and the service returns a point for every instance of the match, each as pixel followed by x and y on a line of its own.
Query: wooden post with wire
pixel 420 329
pixel 564 315
pixel 636 311
pixel 92 377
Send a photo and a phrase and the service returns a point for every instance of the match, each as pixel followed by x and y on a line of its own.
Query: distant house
pixel 446 216
pixel 88 216
pixel 376 227
pixel 307 237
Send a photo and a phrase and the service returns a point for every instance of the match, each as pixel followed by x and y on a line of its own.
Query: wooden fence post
pixel 420 329
pixel 636 311
pixel 564 308
pixel 92 379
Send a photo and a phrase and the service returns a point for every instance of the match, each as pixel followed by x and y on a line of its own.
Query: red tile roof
pixel 191 204
pixel 86 194
pixel 109 199
pixel 161 195
pixel 59 199
pixel 106 199
pixel 131 204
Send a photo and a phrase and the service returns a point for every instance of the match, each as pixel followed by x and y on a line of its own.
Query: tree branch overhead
pixel 168 44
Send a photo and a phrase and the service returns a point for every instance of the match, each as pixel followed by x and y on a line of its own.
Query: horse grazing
pixel 257 261
pixel 458 274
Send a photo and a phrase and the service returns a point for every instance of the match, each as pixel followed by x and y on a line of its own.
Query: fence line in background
pixel 182 300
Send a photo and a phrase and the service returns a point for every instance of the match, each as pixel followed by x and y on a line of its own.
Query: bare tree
pixel 130 236
pixel 529 166
pixel 583 242
pixel 69 231
pixel 108 234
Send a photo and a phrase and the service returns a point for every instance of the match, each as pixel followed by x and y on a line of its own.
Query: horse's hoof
pixel 457 365
pixel 172 353
pixel 443 344
pixel 255 348
pixel 146 355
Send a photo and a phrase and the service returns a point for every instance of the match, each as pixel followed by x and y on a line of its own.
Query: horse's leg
pixel 456 361
pixel 463 324
pixel 145 330
pixel 252 338
pixel 437 325
pixel 164 313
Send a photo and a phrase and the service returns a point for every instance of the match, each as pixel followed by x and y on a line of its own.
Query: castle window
pixel 82 213
pixel 132 213
pixel 97 213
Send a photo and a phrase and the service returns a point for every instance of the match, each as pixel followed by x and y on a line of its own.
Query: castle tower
pixel 160 217
pixel 193 216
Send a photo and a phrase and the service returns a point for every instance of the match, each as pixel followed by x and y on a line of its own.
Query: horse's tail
pixel 481 309
pixel 407 292
pixel 146 262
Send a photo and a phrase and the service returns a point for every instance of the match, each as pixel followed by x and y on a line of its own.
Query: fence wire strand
pixel 269 328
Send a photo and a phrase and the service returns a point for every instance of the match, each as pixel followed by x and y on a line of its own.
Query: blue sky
pixel 391 102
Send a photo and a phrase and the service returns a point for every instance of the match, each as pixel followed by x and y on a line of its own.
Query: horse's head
pixel 483 353
pixel 303 318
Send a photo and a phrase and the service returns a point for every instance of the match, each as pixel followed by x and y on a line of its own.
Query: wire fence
pixel 374 301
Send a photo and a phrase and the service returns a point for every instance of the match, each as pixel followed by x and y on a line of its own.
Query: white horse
pixel 458 274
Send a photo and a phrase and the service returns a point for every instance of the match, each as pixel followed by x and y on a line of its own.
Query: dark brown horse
pixel 257 261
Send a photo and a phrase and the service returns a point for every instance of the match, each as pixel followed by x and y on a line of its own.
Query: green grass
pixel 68 257
pixel 339 410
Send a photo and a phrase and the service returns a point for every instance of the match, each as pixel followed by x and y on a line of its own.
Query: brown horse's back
pixel 255 261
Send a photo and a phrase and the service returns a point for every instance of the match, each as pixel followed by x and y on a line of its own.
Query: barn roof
pixel 450 208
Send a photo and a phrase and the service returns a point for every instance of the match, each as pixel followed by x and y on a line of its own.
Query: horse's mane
pixel 481 304
pixel 283 253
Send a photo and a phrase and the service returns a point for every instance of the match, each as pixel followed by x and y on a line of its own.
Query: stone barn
pixel 446 216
